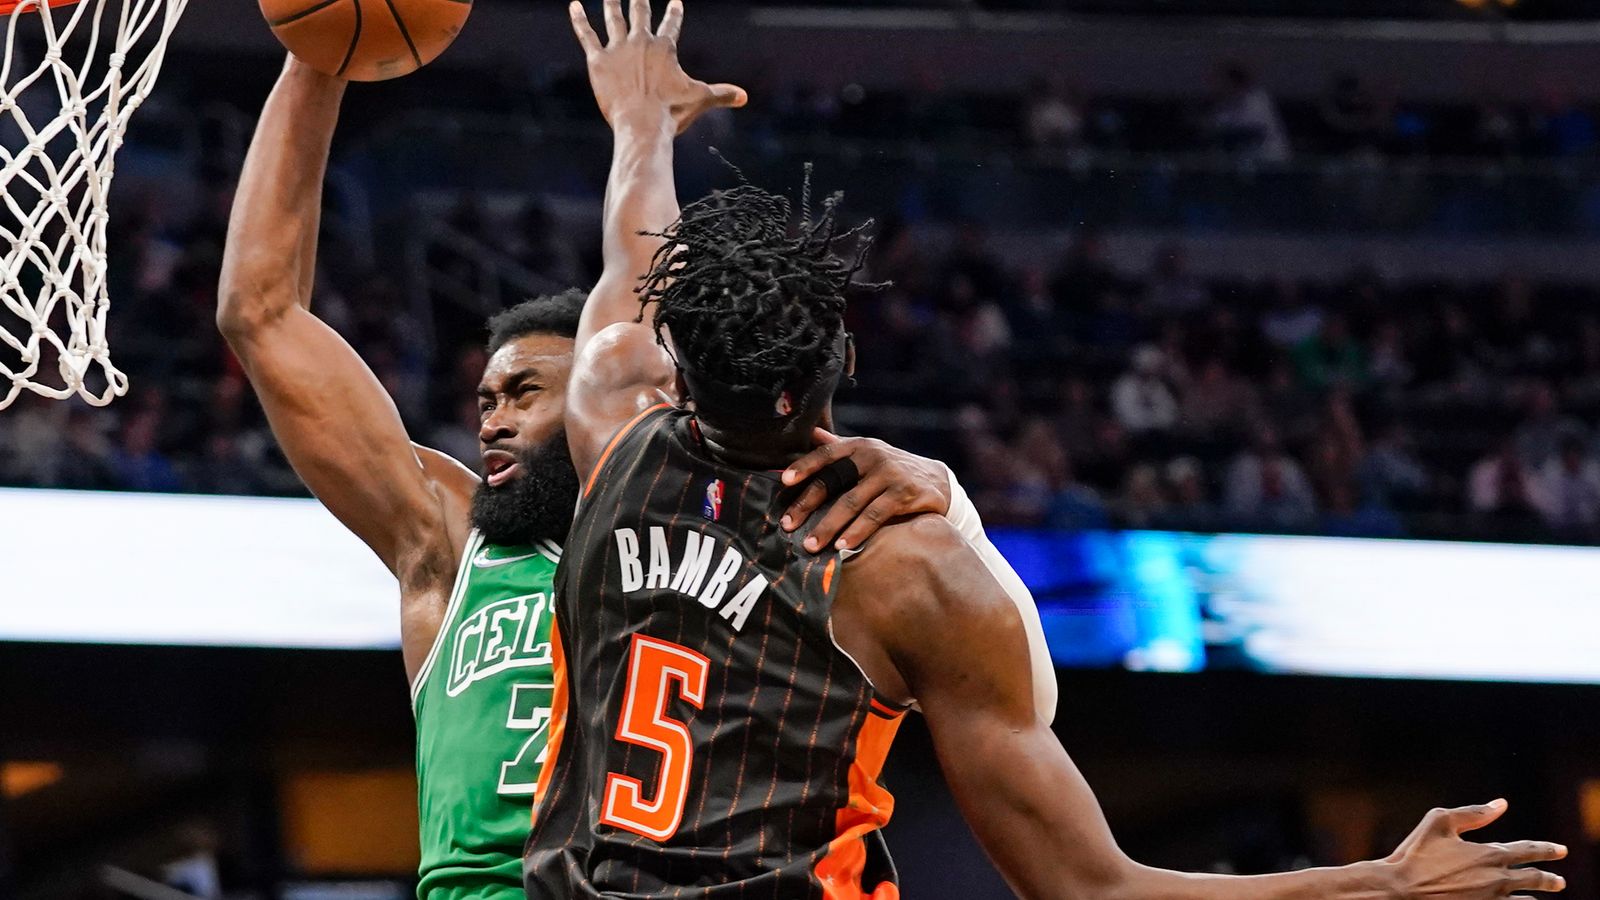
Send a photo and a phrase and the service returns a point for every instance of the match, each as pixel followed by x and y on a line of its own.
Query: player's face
pixel 521 401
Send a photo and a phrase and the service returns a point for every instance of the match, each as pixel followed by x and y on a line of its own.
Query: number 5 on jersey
pixel 656 668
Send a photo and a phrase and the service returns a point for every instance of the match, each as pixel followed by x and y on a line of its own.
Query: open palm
pixel 636 71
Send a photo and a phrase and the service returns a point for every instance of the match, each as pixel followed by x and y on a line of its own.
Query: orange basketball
pixel 366 40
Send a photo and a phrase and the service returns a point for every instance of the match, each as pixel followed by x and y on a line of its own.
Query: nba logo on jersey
pixel 713 507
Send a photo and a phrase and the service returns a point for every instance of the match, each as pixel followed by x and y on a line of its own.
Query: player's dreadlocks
pixel 756 310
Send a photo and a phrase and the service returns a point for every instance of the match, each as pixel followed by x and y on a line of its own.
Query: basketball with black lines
pixel 366 40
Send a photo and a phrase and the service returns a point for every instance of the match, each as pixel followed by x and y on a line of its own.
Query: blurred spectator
pixel 1354 118
pixel 1075 505
pixel 1502 485
pixel 1391 473
pixel 1497 132
pixel 86 460
pixel 1174 290
pixel 1191 507
pixel 1141 398
pixel 1144 499
pixel 225 469
pixel 1331 358
pixel 1267 488
pixel 1292 319
pixel 1352 515
pixel 1544 426
pixel 1217 403
pixel 1078 421
pixel 1569 490
pixel 1245 122
pixel 32 439
pixel 1387 362
pixel 1035 318
pixel 137 463
pixel 1053 116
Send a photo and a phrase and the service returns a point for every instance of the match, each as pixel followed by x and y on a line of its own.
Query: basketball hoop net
pixel 61 124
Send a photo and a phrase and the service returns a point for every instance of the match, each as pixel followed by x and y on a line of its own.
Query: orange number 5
pixel 652 667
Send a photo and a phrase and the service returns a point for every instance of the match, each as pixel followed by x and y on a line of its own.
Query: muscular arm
pixel 648 99
pixel 918 584
pixel 618 369
pixel 336 424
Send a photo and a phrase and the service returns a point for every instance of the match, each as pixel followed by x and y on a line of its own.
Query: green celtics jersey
pixel 482 702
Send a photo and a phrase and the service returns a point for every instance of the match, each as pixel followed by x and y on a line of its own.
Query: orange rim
pixel 7 7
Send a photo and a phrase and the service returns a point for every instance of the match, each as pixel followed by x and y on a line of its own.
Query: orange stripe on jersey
pixel 827 574
pixel 558 716
pixel 615 440
pixel 883 709
pixel 869 808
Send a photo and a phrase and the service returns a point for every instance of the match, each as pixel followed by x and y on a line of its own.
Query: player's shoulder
pixel 922 569
pixel 915 539
pixel 907 568
pixel 622 354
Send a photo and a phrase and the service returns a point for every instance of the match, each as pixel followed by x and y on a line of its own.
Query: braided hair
pixel 756 310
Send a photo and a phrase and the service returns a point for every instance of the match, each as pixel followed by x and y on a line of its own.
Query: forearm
pixel 1361 881
pixel 270 260
pixel 641 196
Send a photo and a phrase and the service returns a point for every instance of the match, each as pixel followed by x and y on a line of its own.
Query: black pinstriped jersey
pixel 712 741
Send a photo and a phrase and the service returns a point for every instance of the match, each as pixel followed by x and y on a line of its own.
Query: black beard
pixel 536 505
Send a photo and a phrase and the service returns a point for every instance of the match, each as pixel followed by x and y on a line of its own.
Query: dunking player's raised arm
pixel 917 583
pixel 648 99
pixel 337 425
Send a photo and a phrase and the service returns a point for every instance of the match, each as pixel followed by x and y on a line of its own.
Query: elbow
pixel 238 314
pixel 247 304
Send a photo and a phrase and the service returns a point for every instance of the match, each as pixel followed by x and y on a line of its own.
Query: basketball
pixel 366 40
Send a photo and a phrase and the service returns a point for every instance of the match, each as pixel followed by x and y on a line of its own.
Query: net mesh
pixel 62 120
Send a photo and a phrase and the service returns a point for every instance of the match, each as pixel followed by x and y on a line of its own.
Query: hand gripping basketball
pixel 366 40
pixel 636 72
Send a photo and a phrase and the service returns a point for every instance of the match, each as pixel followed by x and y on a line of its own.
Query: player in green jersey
pixel 474 554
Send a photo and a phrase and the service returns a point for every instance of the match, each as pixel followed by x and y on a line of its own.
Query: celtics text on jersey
pixel 482 706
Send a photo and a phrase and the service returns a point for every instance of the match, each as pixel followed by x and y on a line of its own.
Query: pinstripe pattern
pixel 775 738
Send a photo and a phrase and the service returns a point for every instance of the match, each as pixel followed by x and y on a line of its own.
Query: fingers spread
pixel 1523 852
pixel 581 27
pixel 1471 818
pixel 850 505
pixel 733 97
pixel 672 22
pixel 882 511
pixel 1535 880
pixel 804 506
pixel 616 25
pixel 812 463
pixel 639 13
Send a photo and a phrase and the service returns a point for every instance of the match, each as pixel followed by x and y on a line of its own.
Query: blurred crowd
pixel 1068 392
pixel 1084 396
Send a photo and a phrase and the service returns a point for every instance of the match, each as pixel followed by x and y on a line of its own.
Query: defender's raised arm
pixel 648 100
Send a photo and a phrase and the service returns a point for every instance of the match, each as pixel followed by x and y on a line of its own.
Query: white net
pixel 62 120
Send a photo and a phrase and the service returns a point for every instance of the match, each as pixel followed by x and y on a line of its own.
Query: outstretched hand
pixel 636 71
pixel 891 483
pixel 1435 862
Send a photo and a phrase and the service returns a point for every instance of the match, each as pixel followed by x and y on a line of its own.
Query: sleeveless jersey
pixel 482 704
pixel 712 740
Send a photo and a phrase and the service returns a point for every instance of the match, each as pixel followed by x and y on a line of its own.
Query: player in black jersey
pixel 727 700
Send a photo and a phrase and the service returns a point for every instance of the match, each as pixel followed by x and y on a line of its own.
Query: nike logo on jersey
pixel 483 561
